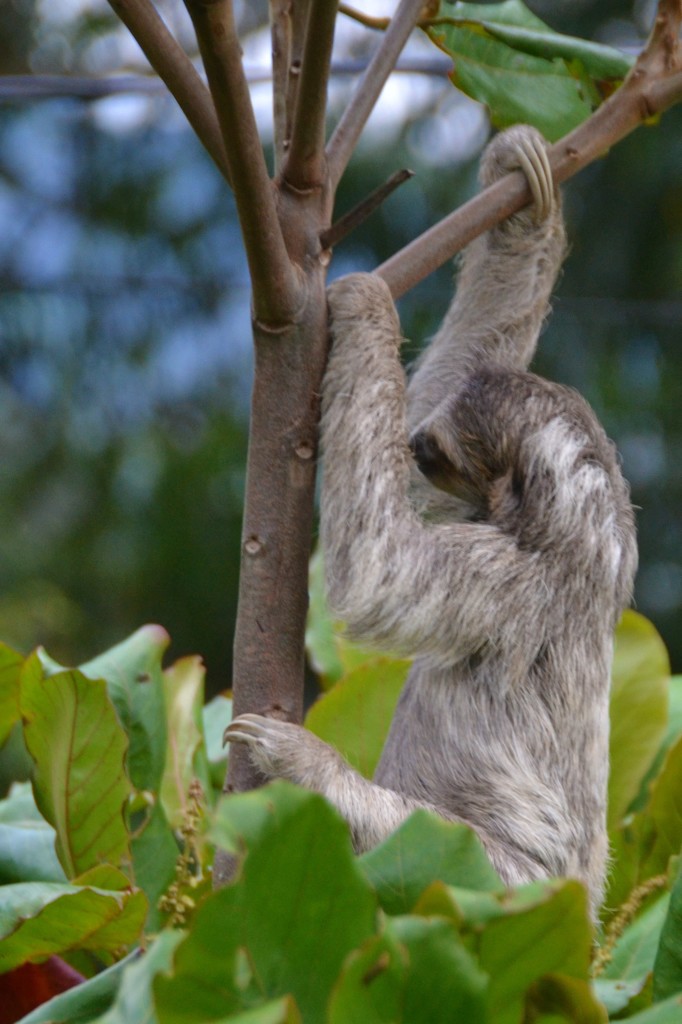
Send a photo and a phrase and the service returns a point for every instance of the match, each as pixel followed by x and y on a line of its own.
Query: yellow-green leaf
pixel 355 715
pixel 10 668
pixel 639 709
pixel 41 919
pixel 79 747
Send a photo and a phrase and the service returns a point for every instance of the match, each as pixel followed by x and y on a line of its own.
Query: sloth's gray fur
pixel 505 589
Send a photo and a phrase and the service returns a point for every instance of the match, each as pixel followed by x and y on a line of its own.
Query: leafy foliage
pixel 521 69
pixel 420 928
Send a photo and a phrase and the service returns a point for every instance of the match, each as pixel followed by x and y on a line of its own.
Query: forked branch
pixel 276 291
pixel 653 85
pixel 176 70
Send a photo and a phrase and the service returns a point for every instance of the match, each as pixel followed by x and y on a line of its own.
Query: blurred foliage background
pixel 124 319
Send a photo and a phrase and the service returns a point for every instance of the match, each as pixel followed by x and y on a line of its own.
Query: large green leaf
pixel 300 906
pixel 133 1003
pixel 355 715
pixel 672 735
pixel 668 1012
pixel 370 986
pixel 132 670
pixel 668 963
pixel 425 848
pixel 639 709
pixel 554 936
pixel 275 1011
pixel 10 668
pixel 183 686
pixel 155 854
pixel 662 824
pixel 507 58
pixel 635 951
pixel 444 982
pixel 40 919
pixel 84 1003
pixel 78 746
pixel 27 851
pixel 616 994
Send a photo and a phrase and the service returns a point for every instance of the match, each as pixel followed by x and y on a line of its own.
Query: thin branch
pixel 280 37
pixel 379 24
pixel 275 285
pixel 368 89
pixel 298 25
pixel 174 67
pixel 653 85
pixel 359 214
pixel 305 166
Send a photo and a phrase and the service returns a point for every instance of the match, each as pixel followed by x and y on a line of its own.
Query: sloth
pixel 476 520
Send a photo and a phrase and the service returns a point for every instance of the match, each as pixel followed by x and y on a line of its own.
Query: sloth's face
pixel 444 471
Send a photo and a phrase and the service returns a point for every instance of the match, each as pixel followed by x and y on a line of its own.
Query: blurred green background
pixel 124 322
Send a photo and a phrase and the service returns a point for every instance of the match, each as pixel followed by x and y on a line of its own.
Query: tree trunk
pixel 280 495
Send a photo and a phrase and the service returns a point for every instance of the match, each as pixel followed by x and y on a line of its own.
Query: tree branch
pixel 174 67
pixel 354 118
pixel 653 85
pixel 276 290
pixel 305 167
pixel 362 210
pixel 280 36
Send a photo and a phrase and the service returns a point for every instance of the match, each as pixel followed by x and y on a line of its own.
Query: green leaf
pixel 300 906
pixel 26 840
pixel 10 669
pixel 664 814
pixel 78 746
pixel 84 1003
pixel 217 715
pixel 668 963
pixel 635 951
pixel 278 1011
pixel 19 805
pixel 329 653
pixel 183 686
pixel 554 936
pixel 417 972
pixel 370 986
pixel 132 670
pixel 133 1003
pixel 557 997
pixel 155 853
pixel 355 715
pixel 672 735
pixel 668 1012
pixel 602 62
pixel 423 849
pixel 40 919
pixel 320 635
pixel 27 853
pixel 616 994
pixel 442 974
pixel 639 709
pixel 521 76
